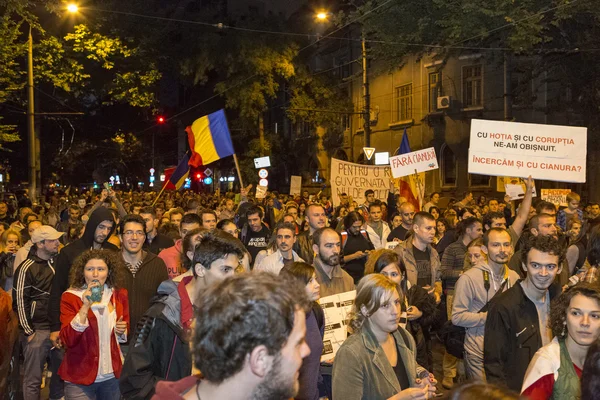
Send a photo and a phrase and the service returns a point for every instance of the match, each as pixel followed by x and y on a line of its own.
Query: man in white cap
pixel 31 292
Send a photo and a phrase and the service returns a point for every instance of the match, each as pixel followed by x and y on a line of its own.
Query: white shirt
pixel 274 262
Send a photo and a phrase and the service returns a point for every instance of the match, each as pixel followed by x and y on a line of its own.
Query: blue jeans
pixel 107 390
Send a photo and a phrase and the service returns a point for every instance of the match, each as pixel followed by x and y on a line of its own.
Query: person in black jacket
pixel 160 348
pixel 155 241
pixel 98 229
pixel 31 292
pixel 517 321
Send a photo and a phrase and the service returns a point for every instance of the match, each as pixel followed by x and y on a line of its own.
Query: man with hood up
pixel 98 229
pixel 160 348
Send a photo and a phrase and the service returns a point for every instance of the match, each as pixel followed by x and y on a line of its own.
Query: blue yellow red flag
pixel 209 139
pixel 181 172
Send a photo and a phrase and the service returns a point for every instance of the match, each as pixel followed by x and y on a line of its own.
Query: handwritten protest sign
pixel 261 192
pixel 295 185
pixel 552 152
pixel 419 161
pixel 336 309
pixel 556 196
pixel 355 179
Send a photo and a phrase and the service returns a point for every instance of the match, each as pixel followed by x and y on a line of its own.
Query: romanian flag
pixel 209 139
pixel 408 185
pixel 181 172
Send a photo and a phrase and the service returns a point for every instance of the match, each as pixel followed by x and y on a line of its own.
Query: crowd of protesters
pixel 118 294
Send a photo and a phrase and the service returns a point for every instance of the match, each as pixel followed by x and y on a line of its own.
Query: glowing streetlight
pixel 72 8
pixel 322 16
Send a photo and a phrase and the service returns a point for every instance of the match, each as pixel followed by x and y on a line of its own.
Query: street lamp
pixel 321 16
pixel 72 8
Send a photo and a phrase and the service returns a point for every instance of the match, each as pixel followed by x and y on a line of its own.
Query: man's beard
pixel 276 386
pixel 332 261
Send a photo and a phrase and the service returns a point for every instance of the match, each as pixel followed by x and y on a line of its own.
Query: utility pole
pixel 366 95
pixel 507 88
pixel 33 154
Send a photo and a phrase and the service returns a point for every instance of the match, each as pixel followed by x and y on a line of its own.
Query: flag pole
pixel 161 192
pixel 237 167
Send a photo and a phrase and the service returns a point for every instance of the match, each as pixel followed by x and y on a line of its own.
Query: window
pixel 404 102
pixel 472 86
pixel 448 169
pixel 479 180
pixel 435 89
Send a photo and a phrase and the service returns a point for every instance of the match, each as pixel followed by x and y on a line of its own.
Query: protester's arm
pixel 112 195
pixel 22 299
pixel 449 259
pixel 496 344
pixel 521 218
pixel 72 327
pixel 103 196
pixel 462 311
pixel 572 257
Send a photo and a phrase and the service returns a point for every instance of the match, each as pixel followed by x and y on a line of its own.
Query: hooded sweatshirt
pixel 470 296
pixel 67 257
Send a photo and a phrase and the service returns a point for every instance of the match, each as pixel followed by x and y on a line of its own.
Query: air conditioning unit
pixel 443 102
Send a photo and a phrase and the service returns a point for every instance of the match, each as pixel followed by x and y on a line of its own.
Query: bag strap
pixel 486 284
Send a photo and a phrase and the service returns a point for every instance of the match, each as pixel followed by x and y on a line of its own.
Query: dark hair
pixel 545 244
pixel 254 210
pixel 299 271
pixel 192 205
pixel 351 218
pixel 148 210
pixel 465 224
pixel 437 208
pixel 284 225
pixel 132 218
pixel 479 390
pixel 207 211
pixel 422 216
pixel 368 192
pixel 534 222
pixel 29 215
pixel 593 247
pixel 590 378
pixel 387 257
pixel 319 232
pixel 188 245
pixel 463 211
pixel 222 223
pixel 191 219
pixel 558 309
pixel 74 232
pixel 433 194
pixel 240 313
pixel 444 221
pixel 216 245
pixel 113 261
pixel 491 216
pixel 375 203
pixel 486 235
pixel 74 206
pixel 544 205
pixel 492 199
pixel 170 230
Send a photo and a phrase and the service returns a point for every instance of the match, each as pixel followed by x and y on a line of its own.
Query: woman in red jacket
pixel 94 315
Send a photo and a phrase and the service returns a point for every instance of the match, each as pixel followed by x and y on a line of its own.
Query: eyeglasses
pixel 133 233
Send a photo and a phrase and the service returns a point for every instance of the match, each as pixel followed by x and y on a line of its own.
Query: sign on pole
pixel 355 179
pixel 414 162
pixel 295 185
pixel 369 151
pixel 552 152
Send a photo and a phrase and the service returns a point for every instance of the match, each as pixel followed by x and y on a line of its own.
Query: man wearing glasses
pixel 145 271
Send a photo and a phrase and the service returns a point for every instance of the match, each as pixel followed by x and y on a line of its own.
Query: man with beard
pixel 161 346
pixel 330 275
pixel 31 289
pixel 285 237
pixel 407 213
pixel 517 322
pixel 209 219
pixel 252 352
pixel 255 234
pixel 355 245
pixel 316 219
pixel 474 289
pixel 145 271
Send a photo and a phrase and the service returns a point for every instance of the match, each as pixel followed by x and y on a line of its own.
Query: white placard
pixel 336 309
pixel 551 152
pixel 295 185
pixel 419 161
pixel 355 179
pixel 558 197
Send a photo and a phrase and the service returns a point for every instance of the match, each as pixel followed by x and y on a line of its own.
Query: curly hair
pixel 240 313
pixel 558 309
pixel 590 378
pixel 114 263
pixel 480 390
pixel 369 294
pixel 544 244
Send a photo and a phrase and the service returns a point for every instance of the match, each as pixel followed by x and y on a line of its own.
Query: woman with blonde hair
pixel 10 242
pixel 379 360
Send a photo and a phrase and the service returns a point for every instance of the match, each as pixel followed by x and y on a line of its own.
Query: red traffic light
pixel 198 176
pixel 160 119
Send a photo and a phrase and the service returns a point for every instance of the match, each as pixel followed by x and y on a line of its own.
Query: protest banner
pixel 261 192
pixel 551 152
pixel 355 179
pixel 558 197
pixel 414 162
pixel 336 309
pixel 295 185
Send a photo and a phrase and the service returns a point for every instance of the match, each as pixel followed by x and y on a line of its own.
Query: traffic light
pixel 160 119
pixel 199 176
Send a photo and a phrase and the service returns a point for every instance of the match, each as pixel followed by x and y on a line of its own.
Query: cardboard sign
pixel 551 152
pixel 295 185
pixel 336 309
pixel 419 161
pixel 558 197
pixel 355 179
pixel 261 192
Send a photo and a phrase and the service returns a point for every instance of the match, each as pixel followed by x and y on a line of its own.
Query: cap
pixel 45 232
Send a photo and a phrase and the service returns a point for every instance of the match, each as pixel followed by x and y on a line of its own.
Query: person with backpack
pixel 304 274
pixel 474 289
pixel 356 245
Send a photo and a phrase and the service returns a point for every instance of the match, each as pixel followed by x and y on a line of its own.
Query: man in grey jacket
pixel 474 289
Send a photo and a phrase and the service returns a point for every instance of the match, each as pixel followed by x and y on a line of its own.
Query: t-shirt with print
pixel 423 261
pixel 257 241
